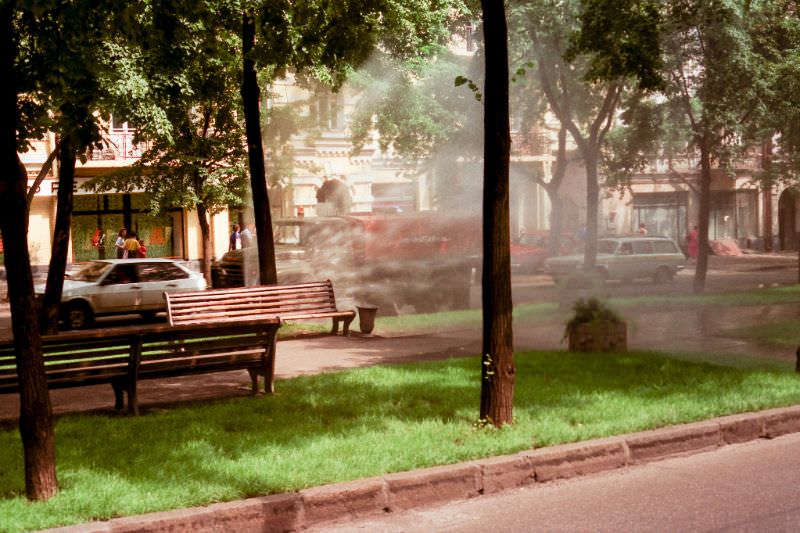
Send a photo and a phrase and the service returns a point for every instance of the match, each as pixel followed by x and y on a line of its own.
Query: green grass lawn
pixel 780 334
pixel 360 423
pixel 546 311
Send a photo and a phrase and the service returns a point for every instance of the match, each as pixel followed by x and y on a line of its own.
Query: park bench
pixel 122 357
pixel 299 301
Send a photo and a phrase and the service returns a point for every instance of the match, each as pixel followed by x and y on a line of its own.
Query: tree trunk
pixel 497 370
pixel 36 417
pixel 705 214
pixel 58 256
pixel 592 205
pixel 258 179
pixel 205 235
pixel 556 203
pixel 766 190
pixel 556 221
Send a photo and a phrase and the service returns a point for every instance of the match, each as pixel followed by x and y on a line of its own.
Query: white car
pixel 122 286
pixel 625 259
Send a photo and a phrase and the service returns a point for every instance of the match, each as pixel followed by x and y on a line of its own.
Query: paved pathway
pixel 688 331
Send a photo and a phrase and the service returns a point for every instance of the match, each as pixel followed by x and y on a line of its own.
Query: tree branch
pixel 46 166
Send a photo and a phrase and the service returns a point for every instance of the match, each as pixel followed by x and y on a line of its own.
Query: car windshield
pixel 606 247
pixel 91 272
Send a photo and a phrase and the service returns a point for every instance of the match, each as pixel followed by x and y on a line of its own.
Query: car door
pixel 119 291
pixel 623 263
pixel 157 278
pixel 646 262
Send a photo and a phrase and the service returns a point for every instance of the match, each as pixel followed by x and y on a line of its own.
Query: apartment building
pixel 97 218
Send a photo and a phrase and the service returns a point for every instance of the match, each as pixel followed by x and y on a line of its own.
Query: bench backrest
pixel 102 356
pixel 299 300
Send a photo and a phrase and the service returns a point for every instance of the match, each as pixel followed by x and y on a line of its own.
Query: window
pixel 122 274
pixel 160 272
pixel 643 247
pixel 91 272
pixel 664 247
pixel 606 247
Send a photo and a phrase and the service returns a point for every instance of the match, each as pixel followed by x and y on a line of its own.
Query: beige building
pixel 97 218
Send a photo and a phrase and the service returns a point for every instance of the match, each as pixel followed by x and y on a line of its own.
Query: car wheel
pixel 662 275
pixel 78 315
pixel 602 275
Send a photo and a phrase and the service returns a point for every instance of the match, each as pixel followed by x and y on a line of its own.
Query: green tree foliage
pixel 53 67
pixel 567 74
pixel 774 28
pixel 323 39
pixel 713 95
pixel 418 113
pixel 197 157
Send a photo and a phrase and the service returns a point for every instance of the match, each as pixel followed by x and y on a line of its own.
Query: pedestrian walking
pixel 236 239
pixel 693 243
pixel 119 244
pixel 131 246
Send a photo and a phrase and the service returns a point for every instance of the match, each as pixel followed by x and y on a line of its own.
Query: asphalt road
pixel 751 487
pixel 724 274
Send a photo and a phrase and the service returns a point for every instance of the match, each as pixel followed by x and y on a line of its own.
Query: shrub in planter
pixel 595 328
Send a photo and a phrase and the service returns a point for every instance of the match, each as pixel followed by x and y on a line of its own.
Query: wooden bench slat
pixel 122 357
pixel 297 301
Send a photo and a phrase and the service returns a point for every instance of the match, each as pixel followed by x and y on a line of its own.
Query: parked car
pixel 528 252
pixel 122 286
pixel 625 259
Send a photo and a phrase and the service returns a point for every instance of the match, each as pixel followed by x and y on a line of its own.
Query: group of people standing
pixel 241 238
pixel 129 246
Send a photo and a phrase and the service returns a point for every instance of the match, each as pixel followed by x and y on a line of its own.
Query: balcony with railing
pixel 118 146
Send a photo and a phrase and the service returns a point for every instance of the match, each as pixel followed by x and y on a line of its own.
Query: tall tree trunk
pixel 556 222
pixel 592 206
pixel 497 369
pixel 36 416
pixel 705 214
pixel 258 179
pixel 58 255
pixel 766 190
pixel 205 236
pixel 556 203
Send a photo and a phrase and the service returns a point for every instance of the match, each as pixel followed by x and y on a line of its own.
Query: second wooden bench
pixel 299 301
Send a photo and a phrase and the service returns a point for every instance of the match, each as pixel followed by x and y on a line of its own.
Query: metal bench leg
pixel 346 329
pixel 133 399
pixel 335 328
pixel 253 380
pixel 269 370
pixel 119 399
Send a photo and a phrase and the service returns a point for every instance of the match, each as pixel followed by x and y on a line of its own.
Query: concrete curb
pixel 441 484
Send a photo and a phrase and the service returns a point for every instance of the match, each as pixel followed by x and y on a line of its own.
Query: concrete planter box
pixel 599 337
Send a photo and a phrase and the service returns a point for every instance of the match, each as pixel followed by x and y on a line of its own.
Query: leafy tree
pixel 497 371
pixel 417 112
pixel 21 122
pixel 52 62
pixel 713 90
pixel 327 39
pixel 65 38
pixel 774 28
pixel 581 91
pixel 198 161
